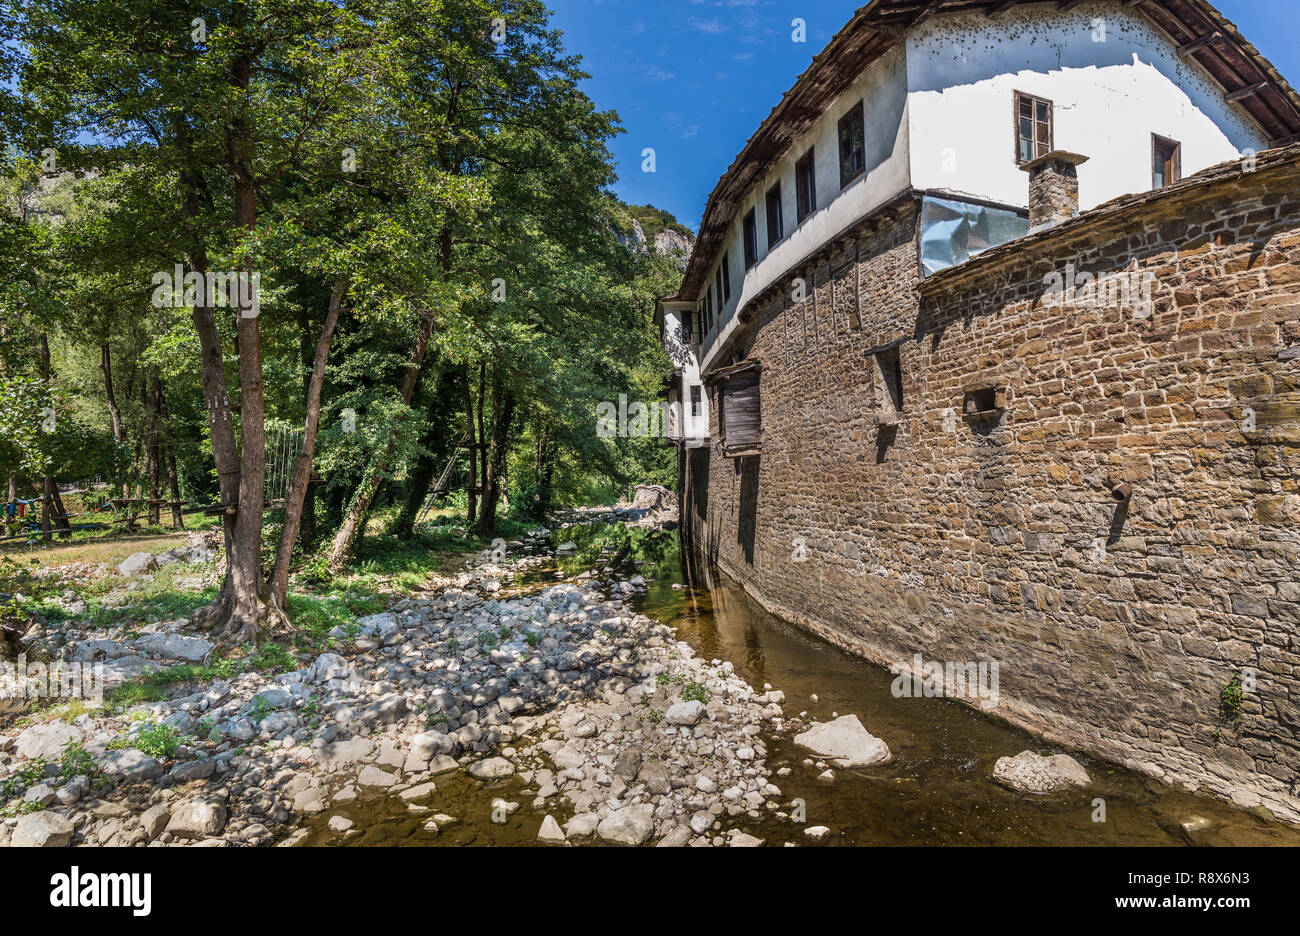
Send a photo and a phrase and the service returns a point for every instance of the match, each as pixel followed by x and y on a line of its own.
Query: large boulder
pixel 197 818
pixel 136 563
pixel 131 765
pixel 685 714
pixel 174 647
pixel 632 825
pixel 42 830
pixel 47 740
pixel 844 742
pixel 1032 773
pixel 491 768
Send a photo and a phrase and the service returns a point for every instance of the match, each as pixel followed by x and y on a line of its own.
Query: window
pixel 1033 127
pixel 726 278
pixel 853 148
pixel 708 310
pixel 751 239
pixel 774 215
pixel 695 402
pixel 1166 161
pixel 738 410
pixel 805 186
pixel 717 282
pixel 890 384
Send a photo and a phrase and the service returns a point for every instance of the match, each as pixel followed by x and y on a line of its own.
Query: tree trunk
pixel 471 491
pixel 244 610
pixel 178 518
pixel 301 477
pixel 503 407
pixel 153 455
pixel 47 506
pixel 114 411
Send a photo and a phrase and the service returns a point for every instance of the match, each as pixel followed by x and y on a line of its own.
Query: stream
pixel 937 790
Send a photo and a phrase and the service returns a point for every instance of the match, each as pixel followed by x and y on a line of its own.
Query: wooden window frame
pixel 726 277
pixel 1173 165
pixel 749 237
pixel 746 371
pixel 696 400
pixel 775 232
pixel 717 287
pixel 805 186
pixel 1034 123
pixel 858 112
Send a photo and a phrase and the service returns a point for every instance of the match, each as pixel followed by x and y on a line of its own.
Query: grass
pixel 157 685
pixel 384 568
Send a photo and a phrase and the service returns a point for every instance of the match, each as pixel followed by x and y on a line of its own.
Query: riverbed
pixel 936 790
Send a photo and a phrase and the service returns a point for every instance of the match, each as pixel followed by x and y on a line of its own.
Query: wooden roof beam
pixel 1001 8
pixel 1247 91
pixel 926 12
pixel 1068 5
pixel 1197 44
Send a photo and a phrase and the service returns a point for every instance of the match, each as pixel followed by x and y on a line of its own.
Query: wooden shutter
pixel 740 410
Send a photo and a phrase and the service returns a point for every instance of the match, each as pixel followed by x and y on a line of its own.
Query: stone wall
pixel 996 537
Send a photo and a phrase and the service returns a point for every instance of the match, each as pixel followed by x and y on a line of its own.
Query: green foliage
pixel 152 738
pixel 696 692
pixel 1230 700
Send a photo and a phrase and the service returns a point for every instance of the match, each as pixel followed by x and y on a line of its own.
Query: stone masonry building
pixel 1054 424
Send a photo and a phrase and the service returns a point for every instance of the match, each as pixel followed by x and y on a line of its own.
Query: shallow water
pixel 937 790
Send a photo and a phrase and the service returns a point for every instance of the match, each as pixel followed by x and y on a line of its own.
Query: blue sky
pixel 694 78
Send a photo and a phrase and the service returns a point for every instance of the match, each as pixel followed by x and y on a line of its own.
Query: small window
pixel 774 226
pixel 751 239
pixel 805 186
pixel 1033 127
pixel 1166 161
pixel 891 385
pixel 708 310
pixel 853 146
pixel 726 278
pixel 695 401
pixel 717 285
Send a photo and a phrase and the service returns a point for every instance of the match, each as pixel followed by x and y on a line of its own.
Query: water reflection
pixel 938 789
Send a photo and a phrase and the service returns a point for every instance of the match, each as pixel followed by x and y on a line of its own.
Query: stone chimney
pixel 1053 188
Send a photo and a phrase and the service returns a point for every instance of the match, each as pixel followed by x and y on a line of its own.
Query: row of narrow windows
pixel 1034 138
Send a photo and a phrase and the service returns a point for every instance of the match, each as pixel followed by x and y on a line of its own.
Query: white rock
pixel 1032 773
pixel 631 825
pixel 197 818
pixel 42 830
pixel 551 833
pixel 685 713
pixel 844 742
pixel 136 563
pixel 47 740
